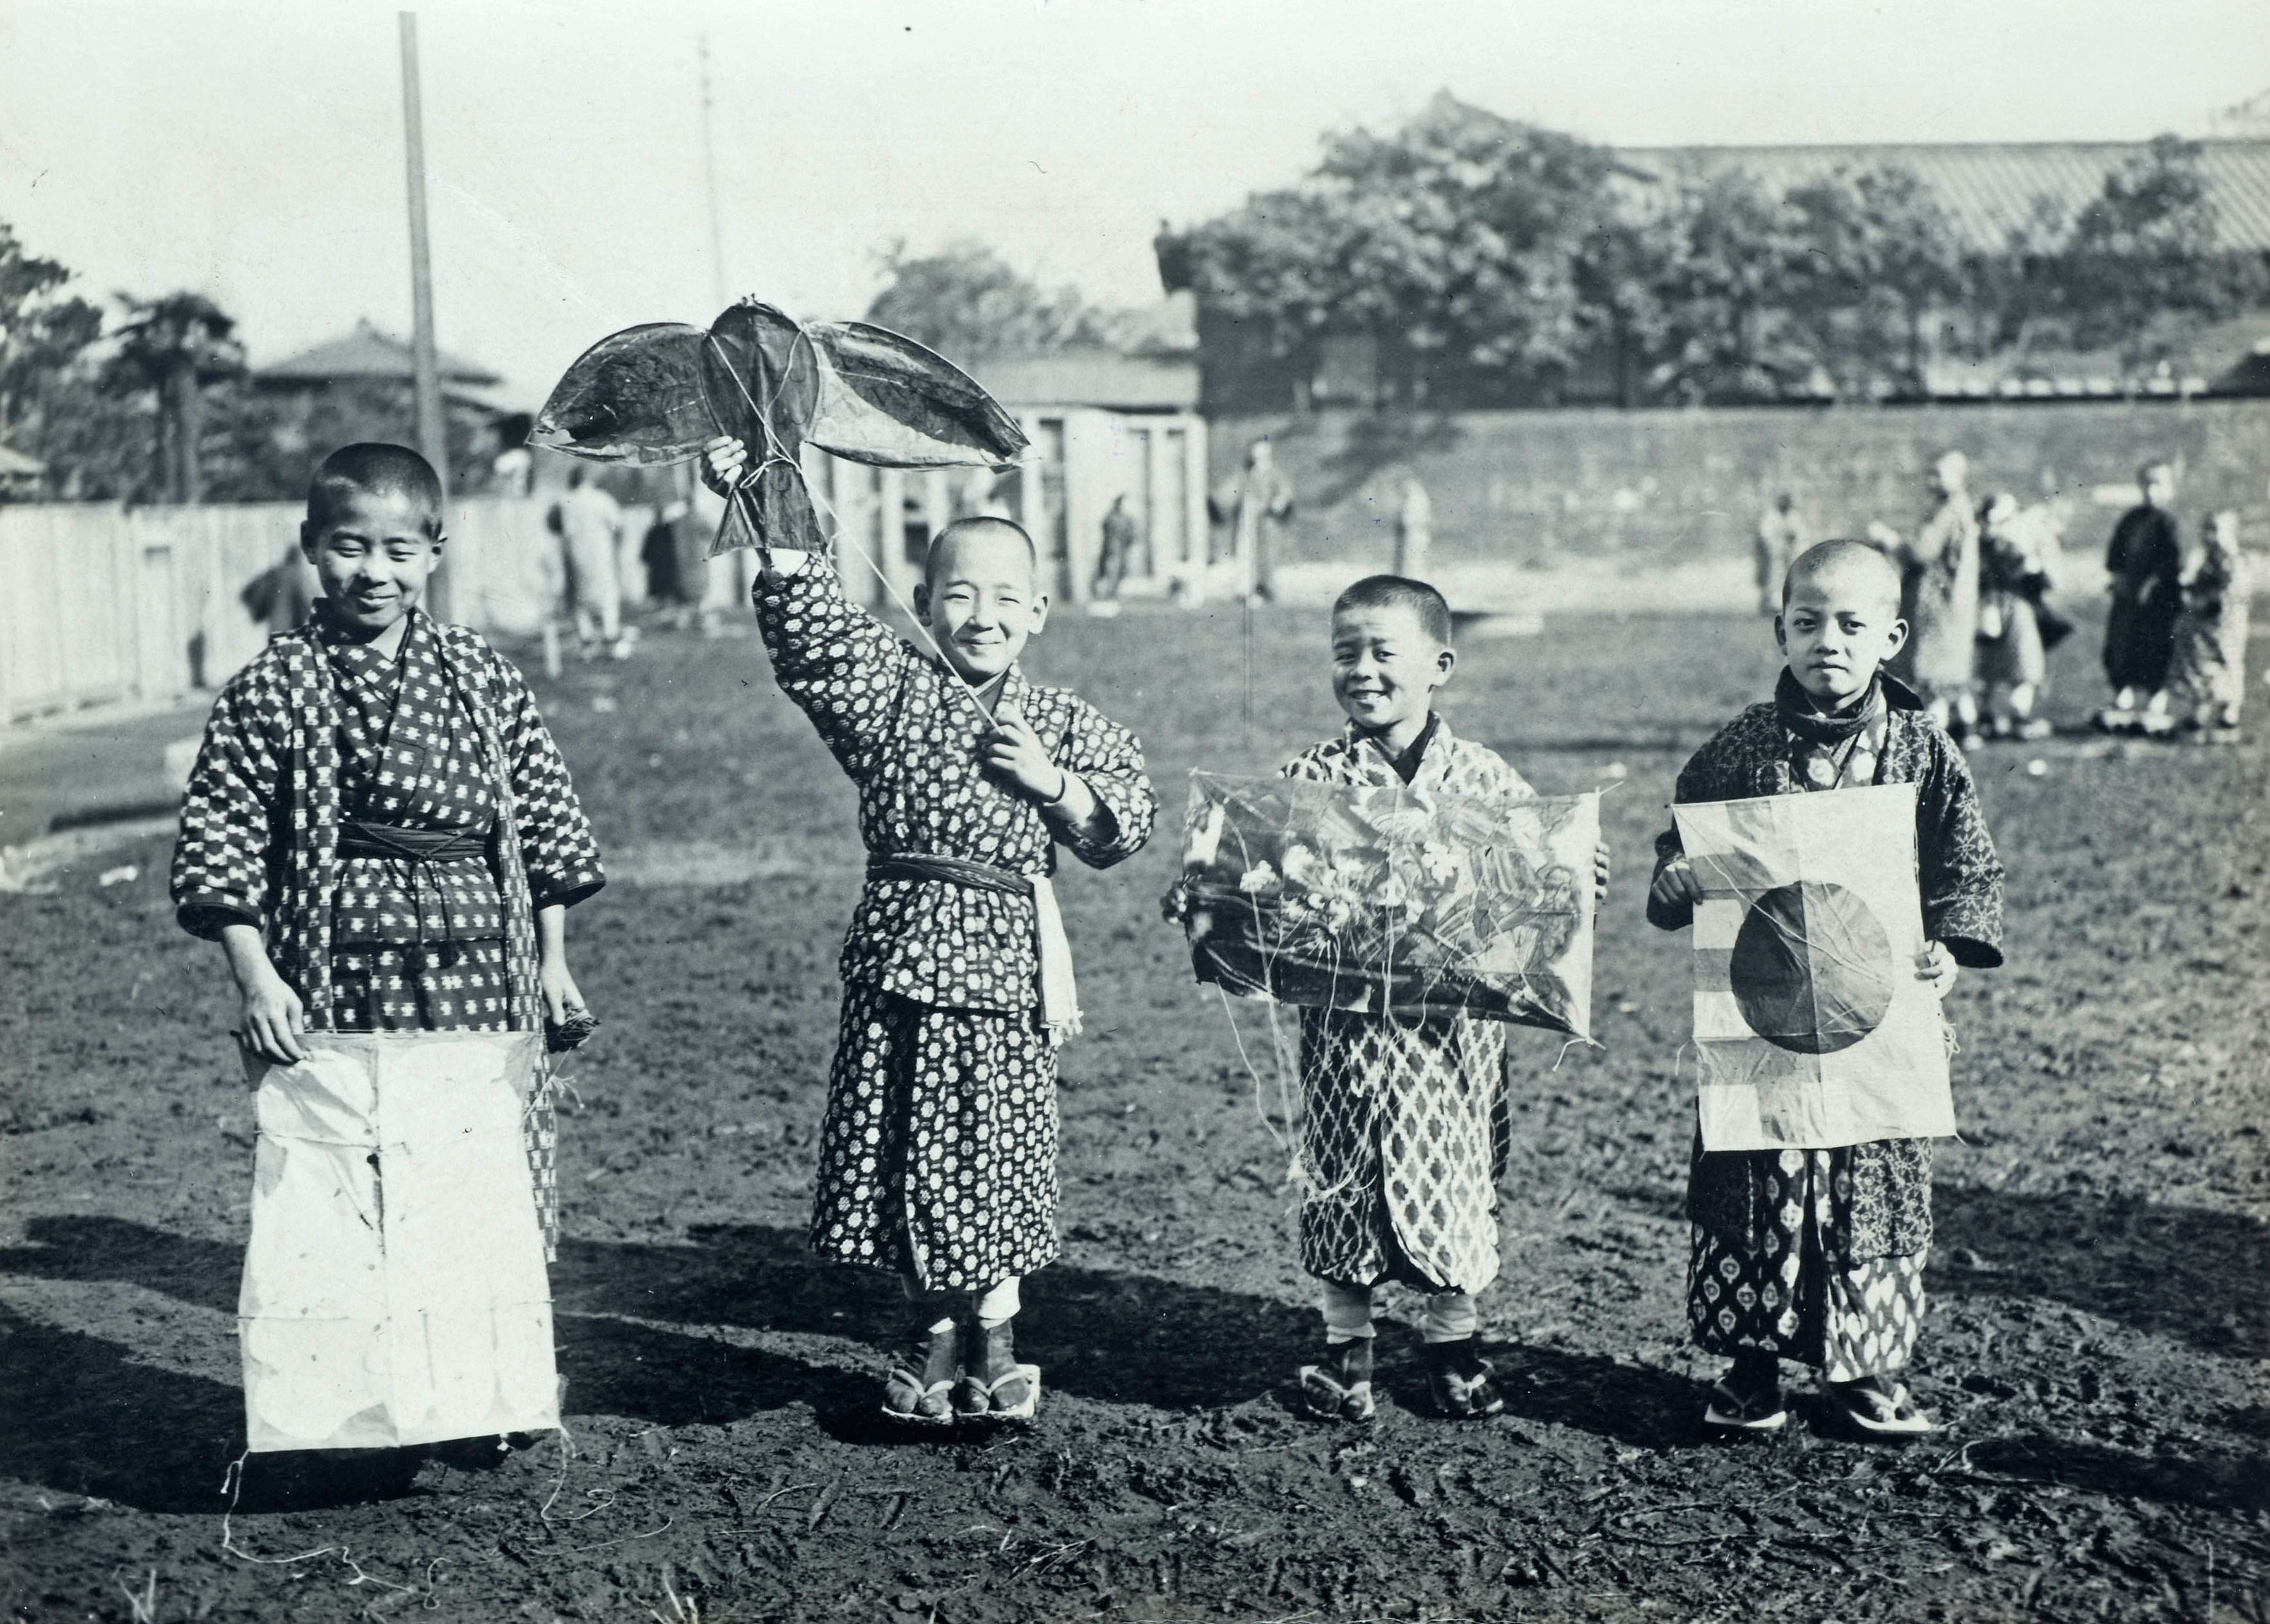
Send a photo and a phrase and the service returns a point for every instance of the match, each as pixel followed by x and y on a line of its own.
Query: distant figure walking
pixel 280 597
pixel 1118 547
pixel 2017 566
pixel 1254 506
pixel 2145 563
pixel 658 551
pixel 1939 599
pixel 1415 531
pixel 1783 533
pixel 2207 678
pixel 589 523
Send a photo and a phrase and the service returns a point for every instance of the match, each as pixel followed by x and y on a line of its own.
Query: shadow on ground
pixel 2194 1276
pixel 83 1418
pixel 2219 1482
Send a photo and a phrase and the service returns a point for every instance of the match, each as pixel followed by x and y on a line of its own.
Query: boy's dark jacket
pixel 1957 872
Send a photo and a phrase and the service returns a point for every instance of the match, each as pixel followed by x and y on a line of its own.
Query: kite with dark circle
pixel 1813 969
pixel 655 394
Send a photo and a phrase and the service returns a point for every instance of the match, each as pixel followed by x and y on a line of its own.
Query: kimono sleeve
pixel 1703 778
pixel 556 845
pixel 834 660
pixel 1957 872
pixel 231 826
pixel 1311 766
pixel 1109 760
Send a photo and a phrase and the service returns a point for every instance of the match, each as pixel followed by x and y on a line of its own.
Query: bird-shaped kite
pixel 656 394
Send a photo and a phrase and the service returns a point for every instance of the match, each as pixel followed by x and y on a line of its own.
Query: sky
pixel 255 152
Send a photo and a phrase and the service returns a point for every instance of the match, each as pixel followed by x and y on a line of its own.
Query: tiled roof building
pixel 1991 189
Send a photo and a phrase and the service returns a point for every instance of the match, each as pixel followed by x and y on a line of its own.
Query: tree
pixel 967 302
pixel 174 346
pixel 1879 257
pixel 2144 268
pixel 1450 243
pixel 43 332
pixel 2014 301
pixel 1688 283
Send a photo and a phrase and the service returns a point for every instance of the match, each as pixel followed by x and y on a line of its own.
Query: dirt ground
pixel 2098 1345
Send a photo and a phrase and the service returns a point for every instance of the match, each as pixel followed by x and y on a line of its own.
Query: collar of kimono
pixel 1801 716
pixel 353 656
pixel 1413 758
pixel 1008 688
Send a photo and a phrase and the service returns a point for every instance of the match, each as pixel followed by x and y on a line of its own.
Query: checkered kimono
pixel 937 1153
pixel 1818 1254
pixel 260 827
pixel 1401 1119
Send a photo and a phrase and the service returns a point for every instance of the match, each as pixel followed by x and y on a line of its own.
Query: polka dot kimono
pixel 937 1152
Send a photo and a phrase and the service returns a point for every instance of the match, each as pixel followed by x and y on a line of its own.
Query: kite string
pixel 774 454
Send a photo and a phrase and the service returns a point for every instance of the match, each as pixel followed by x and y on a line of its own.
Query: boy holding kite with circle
pixel 1816 1253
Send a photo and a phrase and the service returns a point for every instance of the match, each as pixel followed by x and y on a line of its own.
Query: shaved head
pixel 376 469
pixel 1851 565
pixel 985 528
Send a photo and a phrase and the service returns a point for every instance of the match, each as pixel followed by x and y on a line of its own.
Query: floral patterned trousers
pixel 1789 1287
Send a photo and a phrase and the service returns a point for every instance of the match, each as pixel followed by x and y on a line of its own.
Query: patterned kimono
pixel 1402 1129
pixel 328 771
pixel 1818 1254
pixel 2206 678
pixel 938 1154
pixel 1939 599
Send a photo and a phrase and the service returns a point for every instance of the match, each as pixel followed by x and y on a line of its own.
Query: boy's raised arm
pixel 841 667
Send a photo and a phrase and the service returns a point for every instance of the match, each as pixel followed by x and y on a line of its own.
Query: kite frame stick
pixel 773 453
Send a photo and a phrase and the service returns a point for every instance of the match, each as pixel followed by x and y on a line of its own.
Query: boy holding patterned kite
pixel 1401 1123
pixel 1815 1251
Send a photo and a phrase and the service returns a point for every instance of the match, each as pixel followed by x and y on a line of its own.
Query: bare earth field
pixel 2098 1345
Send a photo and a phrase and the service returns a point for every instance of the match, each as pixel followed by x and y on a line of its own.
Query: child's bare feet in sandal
pixel 1878 1406
pixel 996 1388
pixel 1747 1399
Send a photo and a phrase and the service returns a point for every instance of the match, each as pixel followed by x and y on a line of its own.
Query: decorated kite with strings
pixel 655 394
pixel 1383 899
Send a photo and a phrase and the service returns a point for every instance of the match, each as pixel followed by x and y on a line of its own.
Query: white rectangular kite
pixel 394 1288
pixel 1813 1029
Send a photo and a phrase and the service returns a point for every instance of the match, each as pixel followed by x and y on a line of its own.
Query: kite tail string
pixel 834 532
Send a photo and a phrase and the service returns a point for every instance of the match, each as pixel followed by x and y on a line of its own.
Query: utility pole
pixel 425 365
pixel 710 170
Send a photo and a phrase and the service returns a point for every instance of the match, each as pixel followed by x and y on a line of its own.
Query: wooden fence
pixel 101 605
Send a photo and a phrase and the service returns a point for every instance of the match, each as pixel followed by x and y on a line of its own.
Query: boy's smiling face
pixel 1385 669
pixel 1839 622
pixel 980 597
pixel 373 555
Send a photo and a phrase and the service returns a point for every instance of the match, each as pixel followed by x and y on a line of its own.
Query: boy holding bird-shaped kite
pixel 938 1149
pixel 938 1152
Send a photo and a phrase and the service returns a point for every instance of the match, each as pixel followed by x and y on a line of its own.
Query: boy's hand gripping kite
pixel 656 394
